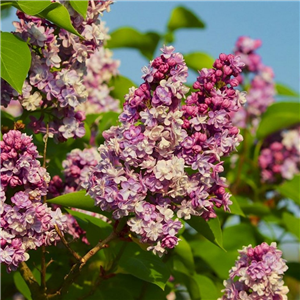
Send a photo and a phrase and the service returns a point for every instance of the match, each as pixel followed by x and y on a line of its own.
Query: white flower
pixel 32 102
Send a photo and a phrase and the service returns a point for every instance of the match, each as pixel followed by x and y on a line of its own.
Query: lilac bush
pixel 163 162
pixel 257 274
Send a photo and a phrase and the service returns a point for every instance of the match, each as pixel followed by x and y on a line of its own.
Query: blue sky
pixel 275 23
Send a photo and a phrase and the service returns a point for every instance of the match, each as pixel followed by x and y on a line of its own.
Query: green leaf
pixel 21 285
pixel 107 120
pixel 235 208
pixel 293 270
pixel 59 15
pixel 121 87
pixel 30 8
pixel 7 119
pixel 284 90
pixel 291 223
pixel 211 230
pixel 278 116
pixel 198 61
pixel 95 228
pixel 15 60
pixel 181 17
pixel 80 6
pixel 144 265
pixel 127 37
pixel 257 209
pixel 206 286
pixel 290 189
pixel 77 200
pixel 184 252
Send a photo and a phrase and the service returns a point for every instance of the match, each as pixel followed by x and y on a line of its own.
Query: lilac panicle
pixel 26 223
pixel 257 274
pixel 162 163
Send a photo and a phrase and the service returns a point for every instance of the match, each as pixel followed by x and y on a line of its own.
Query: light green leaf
pixel 198 61
pixel 211 230
pixel 278 116
pixel 80 6
pixel 181 17
pixel 15 60
pixel 59 15
pixel 291 189
pixel 21 285
pixel 120 85
pixel 206 286
pixel 127 37
pixel 144 265
pixel 77 200
pixel 184 252
pixel 284 90
pixel 30 8
pixel 235 208
pixel 291 223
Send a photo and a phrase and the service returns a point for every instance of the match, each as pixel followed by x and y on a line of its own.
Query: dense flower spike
pixel 26 223
pixel 62 74
pixel 262 91
pixel 163 162
pixel 259 273
pixel 280 156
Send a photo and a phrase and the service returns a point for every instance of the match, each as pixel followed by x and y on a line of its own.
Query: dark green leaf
pixel 284 90
pixel 211 230
pixel 30 8
pixel 95 228
pixel 80 6
pixel 278 116
pixel 144 265
pixel 59 15
pixel 15 60
pixel 291 223
pixel 21 285
pixel 291 189
pixel 181 17
pixel 127 37
pixel 107 120
pixel 293 270
pixel 77 200
pixel 235 208
pixel 198 61
pixel 121 86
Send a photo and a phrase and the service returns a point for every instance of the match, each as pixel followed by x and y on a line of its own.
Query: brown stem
pixel 75 254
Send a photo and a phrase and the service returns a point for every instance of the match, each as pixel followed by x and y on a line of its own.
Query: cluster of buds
pixel 257 274
pixel 163 162
pixel 26 223
pixel 62 73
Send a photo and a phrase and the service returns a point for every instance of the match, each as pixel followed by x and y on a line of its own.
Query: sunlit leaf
pixel 59 15
pixel 21 285
pixel 278 116
pixel 32 9
pixel 291 189
pixel 127 37
pixel 80 6
pixel 284 90
pixel 211 229
pixel 198 60
pixel 291 223
pixel 182 17
pixel 15 60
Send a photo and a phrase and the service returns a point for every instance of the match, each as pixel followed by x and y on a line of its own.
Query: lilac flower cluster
pixel 280 157
pixel 261 92
pixel 163 162
pixel 59 78
pixel 26 223
pixel 259 273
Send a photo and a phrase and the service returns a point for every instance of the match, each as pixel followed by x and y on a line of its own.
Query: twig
pixel 75 254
